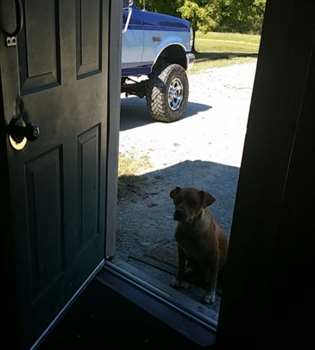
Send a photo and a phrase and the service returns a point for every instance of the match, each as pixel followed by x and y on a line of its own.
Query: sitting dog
pixel 201 242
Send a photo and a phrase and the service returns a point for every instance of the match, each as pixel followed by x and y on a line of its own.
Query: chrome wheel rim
pixel 175 94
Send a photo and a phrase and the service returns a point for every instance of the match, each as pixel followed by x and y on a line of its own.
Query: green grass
pixel 130 164
pixel 221 49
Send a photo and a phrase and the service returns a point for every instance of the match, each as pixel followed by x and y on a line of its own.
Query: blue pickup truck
pixel 158 47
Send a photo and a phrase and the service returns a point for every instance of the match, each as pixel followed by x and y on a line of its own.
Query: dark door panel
pixel 39 47
pixel 59 68
pixel 89 37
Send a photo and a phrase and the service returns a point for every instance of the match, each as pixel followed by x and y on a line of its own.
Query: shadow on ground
pixel 145 236
pixel 146 210
pixel 134 112
pixel 208 56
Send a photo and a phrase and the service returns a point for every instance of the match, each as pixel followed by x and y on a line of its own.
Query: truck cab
pixel 157 46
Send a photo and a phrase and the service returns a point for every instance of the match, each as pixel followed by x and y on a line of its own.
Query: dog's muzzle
pixel 179 215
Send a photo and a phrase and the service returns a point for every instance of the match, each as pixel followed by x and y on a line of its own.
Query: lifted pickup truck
pixel 159 47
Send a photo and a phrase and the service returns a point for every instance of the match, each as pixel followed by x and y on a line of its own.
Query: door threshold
pixel 182 298
pixel 159 304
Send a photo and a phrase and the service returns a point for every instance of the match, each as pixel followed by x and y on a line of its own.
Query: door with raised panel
pixel 55 80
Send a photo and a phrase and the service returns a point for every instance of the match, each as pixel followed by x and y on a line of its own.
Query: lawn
pixel 221 49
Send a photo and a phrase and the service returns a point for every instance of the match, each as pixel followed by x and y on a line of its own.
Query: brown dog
pixel 201 242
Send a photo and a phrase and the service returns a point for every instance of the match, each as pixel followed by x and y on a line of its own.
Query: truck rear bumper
pixel 190 59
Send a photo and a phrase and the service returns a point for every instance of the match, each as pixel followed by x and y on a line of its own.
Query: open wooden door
pixel 54 117
pixel 268 295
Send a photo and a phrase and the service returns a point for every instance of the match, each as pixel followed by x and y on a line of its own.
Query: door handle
pixel 21 130
pixel 10 39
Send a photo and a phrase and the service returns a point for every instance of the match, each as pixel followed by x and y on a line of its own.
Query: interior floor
pixel 101 319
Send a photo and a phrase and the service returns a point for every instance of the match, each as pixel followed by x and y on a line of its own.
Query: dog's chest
pixel 190 241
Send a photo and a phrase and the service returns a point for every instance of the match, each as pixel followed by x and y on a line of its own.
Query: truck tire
pixel 167 93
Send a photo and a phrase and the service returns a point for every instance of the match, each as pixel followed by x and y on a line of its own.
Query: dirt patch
pixel 129 184
pixel 132 164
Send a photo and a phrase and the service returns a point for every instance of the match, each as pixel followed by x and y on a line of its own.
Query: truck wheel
pixel 167 93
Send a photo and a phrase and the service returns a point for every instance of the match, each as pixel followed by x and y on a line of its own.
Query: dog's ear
pixel 175 192
pixel 206 199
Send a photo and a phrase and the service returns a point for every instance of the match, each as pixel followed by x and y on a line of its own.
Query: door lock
pixel 21 130
pixel 10 41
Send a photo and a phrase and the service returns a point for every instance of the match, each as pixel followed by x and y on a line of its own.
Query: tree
pixel 203 15
pixel 163 6
pixel 243 16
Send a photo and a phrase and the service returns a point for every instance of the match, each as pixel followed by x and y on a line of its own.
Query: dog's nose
pixel 179 215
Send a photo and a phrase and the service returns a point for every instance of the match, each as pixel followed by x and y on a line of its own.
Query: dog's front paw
pixel 177 284
pixel 208 299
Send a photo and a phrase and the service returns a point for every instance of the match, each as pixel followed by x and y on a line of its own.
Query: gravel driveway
pixel 214 126
pixel 203 150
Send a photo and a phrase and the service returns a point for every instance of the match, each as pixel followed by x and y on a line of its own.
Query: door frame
pixel 271 253
pixel 114 88
pixel 6 241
